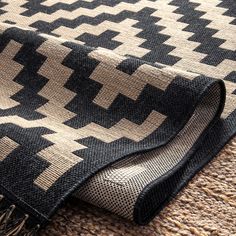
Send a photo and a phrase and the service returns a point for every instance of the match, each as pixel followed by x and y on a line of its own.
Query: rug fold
pixel 116 131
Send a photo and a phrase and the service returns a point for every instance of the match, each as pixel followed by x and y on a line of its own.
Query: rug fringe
pixel 12 224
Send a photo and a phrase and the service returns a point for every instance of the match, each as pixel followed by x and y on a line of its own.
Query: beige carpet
pixel 207 206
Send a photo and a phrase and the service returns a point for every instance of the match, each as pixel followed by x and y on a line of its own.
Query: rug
pixel 117 103
pixel 207 206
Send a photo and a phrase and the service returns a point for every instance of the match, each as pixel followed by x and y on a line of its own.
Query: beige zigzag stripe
pixel 184 48
pixel 13 13
pixel 191 60
pixel 57 75
pixel 123 128
pixel 62 160
pixel 116 82
pixel 58 96
pixel 127 35
pixel 219 21
pixel 7 145
pixel 14 9
pixel 9 69
pixel 50 3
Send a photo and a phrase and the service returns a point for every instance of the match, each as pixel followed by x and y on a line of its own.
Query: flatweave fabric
pixel 119 103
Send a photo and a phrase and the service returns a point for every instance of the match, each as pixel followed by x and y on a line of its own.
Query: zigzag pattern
pixel 81 86
pixel 9 69
pixel 117 82
pixel 127 32
pixel 63 73
pixel 103 23
pixel 43 101
pixel 111 25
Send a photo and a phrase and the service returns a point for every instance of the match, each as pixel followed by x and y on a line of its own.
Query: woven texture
pixel 206 207
pixel 118 103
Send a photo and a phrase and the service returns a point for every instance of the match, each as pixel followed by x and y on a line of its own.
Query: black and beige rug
pixel 119 103
pixel 206 207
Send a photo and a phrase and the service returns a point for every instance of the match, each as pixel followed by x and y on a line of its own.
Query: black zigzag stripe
pixel 31 81
pixel 35 6
pixel 209 44
pixel 230 5
pixel 86 90
pixel 135 111
pixel 155 41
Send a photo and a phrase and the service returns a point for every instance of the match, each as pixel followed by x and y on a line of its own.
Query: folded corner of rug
pixel 120 132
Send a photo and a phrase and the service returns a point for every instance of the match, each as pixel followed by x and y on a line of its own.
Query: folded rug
pixel 206 206
pixel 117 102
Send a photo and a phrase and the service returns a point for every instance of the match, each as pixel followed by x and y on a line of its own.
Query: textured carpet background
pixel 207 206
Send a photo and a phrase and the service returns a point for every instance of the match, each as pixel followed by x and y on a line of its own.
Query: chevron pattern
pixel 73 102
pixel 202 41
pixel 92 81
pixel 8 64
pixel 56 97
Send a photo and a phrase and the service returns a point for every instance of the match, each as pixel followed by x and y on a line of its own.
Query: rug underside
pixel 119 103
pixel 188 214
